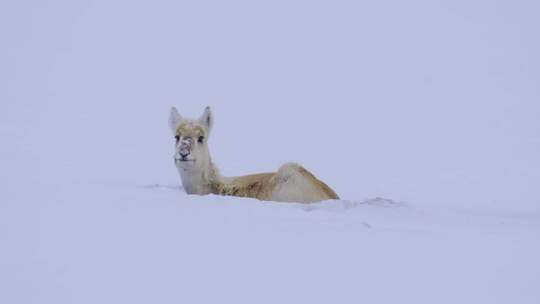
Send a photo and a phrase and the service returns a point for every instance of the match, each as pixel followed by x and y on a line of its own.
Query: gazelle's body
pixel 291 183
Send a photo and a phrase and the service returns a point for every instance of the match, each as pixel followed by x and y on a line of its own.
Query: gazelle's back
pixel 296 184
pixel 291 183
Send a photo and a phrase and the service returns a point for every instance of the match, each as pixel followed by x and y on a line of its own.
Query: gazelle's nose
pixel 184 153
pixel 185 147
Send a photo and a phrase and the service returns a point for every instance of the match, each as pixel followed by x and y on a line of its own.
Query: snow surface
pixel 422 115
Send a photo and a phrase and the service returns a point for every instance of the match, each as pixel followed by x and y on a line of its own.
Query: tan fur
pixel 257 186
pixel 261 186
pixel 318 184
pixel 291 183
pixel 191 130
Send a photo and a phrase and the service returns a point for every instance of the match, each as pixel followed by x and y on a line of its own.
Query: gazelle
pixel 291 183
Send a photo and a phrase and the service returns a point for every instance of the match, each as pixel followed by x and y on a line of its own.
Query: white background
pixel 431 104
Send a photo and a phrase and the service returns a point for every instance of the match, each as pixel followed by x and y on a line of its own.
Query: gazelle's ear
pixel 207 119
pixel 174 120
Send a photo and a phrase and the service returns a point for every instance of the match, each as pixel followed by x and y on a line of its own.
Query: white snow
pixel 423 116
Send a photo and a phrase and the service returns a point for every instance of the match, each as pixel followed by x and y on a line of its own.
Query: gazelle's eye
pixel 201 139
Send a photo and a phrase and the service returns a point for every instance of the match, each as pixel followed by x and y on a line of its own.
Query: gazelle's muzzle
pixel 184 150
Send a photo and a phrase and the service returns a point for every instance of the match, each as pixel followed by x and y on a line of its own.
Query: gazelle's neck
pixel 201 180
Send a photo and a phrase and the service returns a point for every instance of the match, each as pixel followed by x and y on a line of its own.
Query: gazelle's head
pixel 191 137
